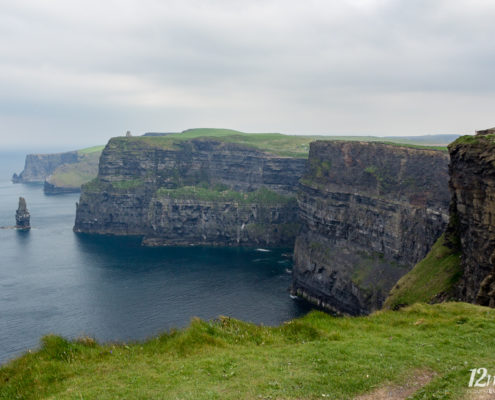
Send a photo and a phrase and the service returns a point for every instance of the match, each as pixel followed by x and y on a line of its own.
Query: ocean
pixel 110 288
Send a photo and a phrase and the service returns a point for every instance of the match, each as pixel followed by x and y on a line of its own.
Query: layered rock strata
pixel 199 191
pixel 22 216
pixel 369 211
pixel 472 185
pixel 221 223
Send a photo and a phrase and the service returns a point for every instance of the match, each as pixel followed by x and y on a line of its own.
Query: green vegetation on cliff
pixel 91 150
pixel 77 174
pixel 318 356
pixel 96 185
pixel 262 196
pixel 433 276
pixel 274 143
pixel 474 140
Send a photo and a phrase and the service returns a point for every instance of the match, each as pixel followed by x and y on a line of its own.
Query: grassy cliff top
pixel 318 356
pixel 474 140
pixel 275 143
pixel 91 150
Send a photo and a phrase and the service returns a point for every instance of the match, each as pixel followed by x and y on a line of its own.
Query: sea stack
pixel 22 216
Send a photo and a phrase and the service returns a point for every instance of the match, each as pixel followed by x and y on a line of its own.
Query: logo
pixel 481 378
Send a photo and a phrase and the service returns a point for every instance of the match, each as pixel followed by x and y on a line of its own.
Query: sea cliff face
pixel 199 191
pixel 221 222
pixel 60 172
pixel 38 167
pixel 369 212
pixel 472 184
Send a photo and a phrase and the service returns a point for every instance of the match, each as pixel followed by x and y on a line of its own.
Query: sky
pixel 75 73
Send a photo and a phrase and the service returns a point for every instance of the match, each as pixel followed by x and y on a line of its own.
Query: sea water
pixel 55 281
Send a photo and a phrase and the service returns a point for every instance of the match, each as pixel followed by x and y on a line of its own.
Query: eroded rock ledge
pixel 369 212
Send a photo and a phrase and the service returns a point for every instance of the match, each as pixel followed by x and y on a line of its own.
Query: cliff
pixel 38 167
pixel 369 211
pixel 472 185
pixel 61 172
pixel 68 178
pixel 461 265
pixel 198 191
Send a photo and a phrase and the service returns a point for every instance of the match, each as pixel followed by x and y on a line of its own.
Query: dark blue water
pixel 55 281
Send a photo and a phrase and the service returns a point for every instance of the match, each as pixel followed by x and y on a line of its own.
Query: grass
pixel 474 140
pixel 274 143
pixel 310 358
pixel 262 196
pixel 434 275
pixel 90 150
pixel 96 185
pixel 128 184
pixel 77 174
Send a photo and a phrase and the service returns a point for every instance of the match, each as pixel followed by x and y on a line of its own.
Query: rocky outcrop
pixel 22 216
pixel 51 188
pixel 472 185
pixel 369 211
pixel 191 192
pixel 38 167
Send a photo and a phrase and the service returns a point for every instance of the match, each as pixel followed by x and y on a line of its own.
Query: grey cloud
pixel 355 66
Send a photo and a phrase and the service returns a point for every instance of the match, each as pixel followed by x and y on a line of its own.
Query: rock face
pixel 369 211
pixel 200 191
pixel 472 185
pixel 22 216
pixel 221 223
pixel 61 172
pixel 38 167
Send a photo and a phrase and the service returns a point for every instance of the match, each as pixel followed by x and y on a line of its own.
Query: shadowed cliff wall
pixel 369 211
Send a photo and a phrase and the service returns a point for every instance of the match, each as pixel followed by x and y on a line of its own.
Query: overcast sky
pixel 75 73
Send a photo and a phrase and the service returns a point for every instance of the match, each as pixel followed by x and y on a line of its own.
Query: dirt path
pixel 481 394
pixel 400 392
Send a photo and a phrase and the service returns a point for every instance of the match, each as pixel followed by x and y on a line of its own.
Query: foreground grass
pixel 313 357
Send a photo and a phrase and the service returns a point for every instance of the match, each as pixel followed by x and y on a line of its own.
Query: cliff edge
pixel 61 172
pixel 37 167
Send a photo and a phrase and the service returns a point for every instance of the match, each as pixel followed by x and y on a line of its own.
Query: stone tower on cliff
pixel 22 216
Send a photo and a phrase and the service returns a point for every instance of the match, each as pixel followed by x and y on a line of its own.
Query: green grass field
pixel 317 356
